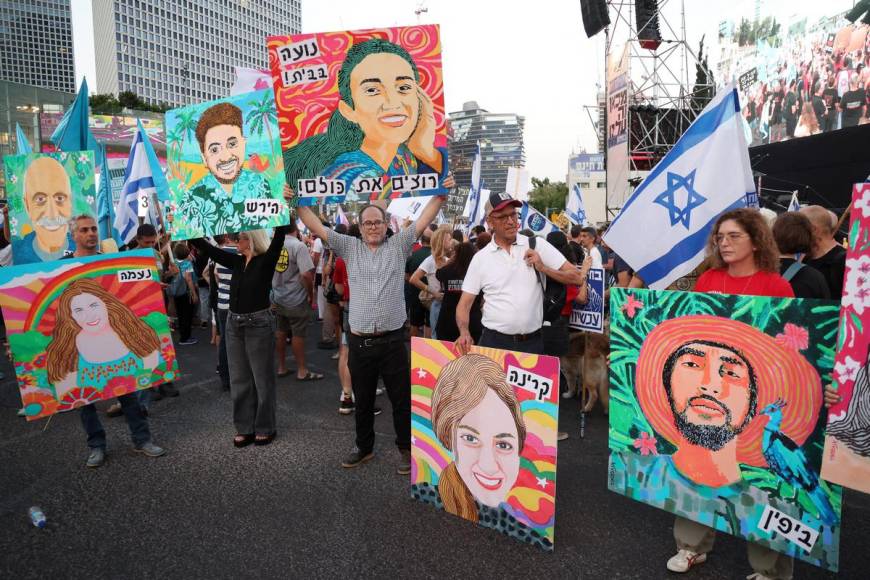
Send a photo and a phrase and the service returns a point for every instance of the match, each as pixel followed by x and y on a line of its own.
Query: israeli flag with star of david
pixel 662 229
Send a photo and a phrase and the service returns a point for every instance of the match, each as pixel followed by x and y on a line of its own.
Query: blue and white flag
pixel 662 229
pixel 341 218
pixel 574 208
pixel 794 205
pixel 532 219
pixel 139 194
pixel 475 205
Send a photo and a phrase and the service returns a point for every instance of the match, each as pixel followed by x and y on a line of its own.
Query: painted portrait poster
pixel 86 329
pixel 45 191
pixel 847 447
pixel 224 166
pixel 716 414
pixel 361 113
pixel 483 437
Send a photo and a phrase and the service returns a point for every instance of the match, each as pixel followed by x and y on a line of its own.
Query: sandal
pixel 285 373
pixel 264 439
pixel 310 377
pixel 243 440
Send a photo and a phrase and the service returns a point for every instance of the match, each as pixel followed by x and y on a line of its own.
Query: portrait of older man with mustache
pixel 216 203
pixel 48 202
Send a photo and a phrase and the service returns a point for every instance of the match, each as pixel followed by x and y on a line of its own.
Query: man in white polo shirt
pixel 506 271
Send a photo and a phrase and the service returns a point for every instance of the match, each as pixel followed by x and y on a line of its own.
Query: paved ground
pixel 208 510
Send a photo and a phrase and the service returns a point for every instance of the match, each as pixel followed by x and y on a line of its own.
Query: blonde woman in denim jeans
pixel 251 332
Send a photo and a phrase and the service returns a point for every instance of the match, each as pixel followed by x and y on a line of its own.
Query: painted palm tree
pixel 262 116
pixel 173 141
pixel 186 126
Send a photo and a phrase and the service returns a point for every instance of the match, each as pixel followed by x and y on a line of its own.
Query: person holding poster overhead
pixel 376 342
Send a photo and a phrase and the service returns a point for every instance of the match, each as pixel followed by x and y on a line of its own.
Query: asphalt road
pixel 208 510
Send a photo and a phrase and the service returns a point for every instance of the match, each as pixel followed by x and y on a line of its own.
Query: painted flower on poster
pixel 856 291
pixel 846 370
pixel 862 202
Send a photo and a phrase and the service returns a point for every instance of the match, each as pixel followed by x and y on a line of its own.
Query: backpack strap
pixel 792 270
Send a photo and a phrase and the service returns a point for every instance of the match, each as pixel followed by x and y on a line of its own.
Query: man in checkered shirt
pixel 376 273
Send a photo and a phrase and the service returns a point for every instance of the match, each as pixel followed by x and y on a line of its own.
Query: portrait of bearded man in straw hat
pixel 701 382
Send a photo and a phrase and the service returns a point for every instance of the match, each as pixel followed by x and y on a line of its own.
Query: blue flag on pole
pixel 138 196
pixel 794 204
pixel 662 229
pixel 574 208
pixel 73 133
pixel 22 142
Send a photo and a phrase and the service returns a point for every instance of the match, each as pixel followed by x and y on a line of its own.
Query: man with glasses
pixel 506 271
pixel 376 343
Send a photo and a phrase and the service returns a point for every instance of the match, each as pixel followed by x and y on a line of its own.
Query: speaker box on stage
pixel 646 14
pixel 595 17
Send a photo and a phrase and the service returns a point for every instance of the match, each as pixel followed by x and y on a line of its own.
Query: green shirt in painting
pixel 208 209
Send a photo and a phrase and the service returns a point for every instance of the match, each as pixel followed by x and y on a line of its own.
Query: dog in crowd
pixel 593 378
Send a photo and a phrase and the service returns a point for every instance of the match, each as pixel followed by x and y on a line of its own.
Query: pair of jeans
pixel 184 311
pixel 251 357
pixel 223 368
pixel 534 345
pixel 388 358
pixel 434 311
pixel 136 421
pixel 204 304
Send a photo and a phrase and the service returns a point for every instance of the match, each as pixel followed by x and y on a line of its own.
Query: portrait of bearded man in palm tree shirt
pixel 216 203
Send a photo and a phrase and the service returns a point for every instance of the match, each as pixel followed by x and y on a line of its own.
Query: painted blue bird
pixel 788 461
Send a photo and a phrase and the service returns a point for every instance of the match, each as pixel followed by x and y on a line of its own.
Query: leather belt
pixel 379 337
pixel 515 337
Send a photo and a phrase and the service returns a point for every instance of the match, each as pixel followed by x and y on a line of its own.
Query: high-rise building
pixel 36 45
pixel 183 51
pixel 501 145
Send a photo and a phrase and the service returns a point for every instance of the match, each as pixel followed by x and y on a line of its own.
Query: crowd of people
pixel 496 286
pixel 815 88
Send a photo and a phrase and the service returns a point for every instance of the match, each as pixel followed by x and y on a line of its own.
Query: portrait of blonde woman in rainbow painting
pixel 477 418
pixel 97 337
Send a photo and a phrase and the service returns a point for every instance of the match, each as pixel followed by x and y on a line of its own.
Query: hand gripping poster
pixel 224 169
pixel 45 191
pixel 361 113
pixel 483 437
pixel 86 329
pixel 847 447
pixel 716 414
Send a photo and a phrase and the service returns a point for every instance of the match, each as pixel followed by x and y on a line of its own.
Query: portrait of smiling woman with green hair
pixel 384 124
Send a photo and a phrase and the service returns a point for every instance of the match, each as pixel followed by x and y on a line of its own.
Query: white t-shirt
pixel 318 249
pixel 512 293
pixel 428 266
pixel 596 257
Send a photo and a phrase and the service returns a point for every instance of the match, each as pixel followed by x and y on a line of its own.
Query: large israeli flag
pixel 532 219
pixel 574 208
pixel 662 229
pixel 138 197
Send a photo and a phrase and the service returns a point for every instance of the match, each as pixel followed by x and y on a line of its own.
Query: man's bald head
pixel 48 201
pixel 824 222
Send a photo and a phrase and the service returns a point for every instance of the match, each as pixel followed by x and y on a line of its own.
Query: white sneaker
pixel 758 576
pixel 568 395
pixel 683 560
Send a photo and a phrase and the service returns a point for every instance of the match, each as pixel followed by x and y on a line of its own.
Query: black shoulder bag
pixel 554 292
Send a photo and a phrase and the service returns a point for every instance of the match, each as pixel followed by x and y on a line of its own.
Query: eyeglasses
pixel 513 216
pixel 732 237
pixel 373 224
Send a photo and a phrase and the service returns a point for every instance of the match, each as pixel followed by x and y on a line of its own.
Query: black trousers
pixel 388 358
pixel 184 310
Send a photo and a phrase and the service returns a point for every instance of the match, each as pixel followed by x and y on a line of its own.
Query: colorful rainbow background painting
pixel 528 501
pixel 29 297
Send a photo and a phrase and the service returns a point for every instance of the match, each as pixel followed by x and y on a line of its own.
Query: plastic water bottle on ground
pixel 37 516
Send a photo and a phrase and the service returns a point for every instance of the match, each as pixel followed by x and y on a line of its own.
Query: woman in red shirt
pixel 744 257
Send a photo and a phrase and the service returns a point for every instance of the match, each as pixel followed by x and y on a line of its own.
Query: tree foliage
pixel 548 196
pixel 108 104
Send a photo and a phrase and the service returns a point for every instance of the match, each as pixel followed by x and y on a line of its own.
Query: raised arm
pixel 225 259
pixel 428 215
